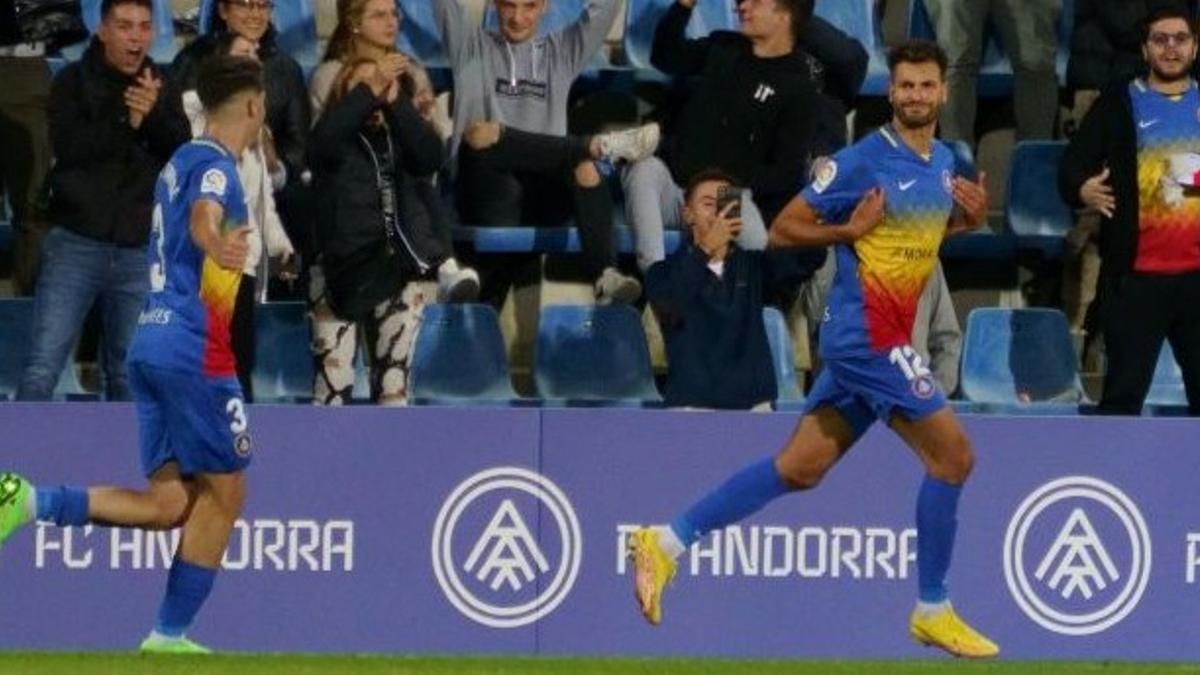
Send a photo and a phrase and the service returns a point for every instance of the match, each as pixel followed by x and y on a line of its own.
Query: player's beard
pixel 916 120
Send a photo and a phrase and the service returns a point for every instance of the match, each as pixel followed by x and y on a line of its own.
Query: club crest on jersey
pixel 924 386
pixel 242 445
pixel 947 181
pixel 824 172
pixel 213 183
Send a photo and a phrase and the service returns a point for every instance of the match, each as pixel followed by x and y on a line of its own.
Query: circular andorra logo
pixel 1077 555
pixel 506 547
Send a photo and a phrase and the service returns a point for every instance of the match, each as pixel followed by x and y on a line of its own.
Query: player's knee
pixel 587 175
pixel 171 509
pixel 955 464
pixel 802 474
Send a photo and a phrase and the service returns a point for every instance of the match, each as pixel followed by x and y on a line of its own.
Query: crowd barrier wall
pixel 438 530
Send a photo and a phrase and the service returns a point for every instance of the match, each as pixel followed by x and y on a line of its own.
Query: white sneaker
pixel 630 145
pixel 457 284
pixel 614 288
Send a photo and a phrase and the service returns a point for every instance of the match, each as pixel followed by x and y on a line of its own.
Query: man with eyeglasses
pixel 1136 161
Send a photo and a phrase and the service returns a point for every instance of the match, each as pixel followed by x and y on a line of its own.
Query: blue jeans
pixel 77 272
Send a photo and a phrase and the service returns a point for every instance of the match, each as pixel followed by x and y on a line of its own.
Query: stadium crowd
pixel 373 165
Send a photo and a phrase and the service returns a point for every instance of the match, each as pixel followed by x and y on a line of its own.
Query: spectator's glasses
pixel 252 5
pixel 1164 40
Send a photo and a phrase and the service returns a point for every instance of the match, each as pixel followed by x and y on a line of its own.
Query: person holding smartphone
pixel 708 296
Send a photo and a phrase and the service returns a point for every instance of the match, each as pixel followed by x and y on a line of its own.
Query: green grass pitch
pixel 30 663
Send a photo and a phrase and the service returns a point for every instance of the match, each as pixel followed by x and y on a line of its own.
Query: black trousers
pixel 1142 311
pixel 529 179
pixel 241 335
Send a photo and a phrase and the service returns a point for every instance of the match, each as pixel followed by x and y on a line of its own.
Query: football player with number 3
pixel 192 422
pixel 885 204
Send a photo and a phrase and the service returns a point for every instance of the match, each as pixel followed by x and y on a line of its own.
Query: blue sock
pixel 937 521
pixel 744 493
pixel 63 505
pixel 188 587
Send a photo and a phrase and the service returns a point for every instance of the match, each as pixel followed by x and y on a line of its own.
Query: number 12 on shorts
pixel 909 362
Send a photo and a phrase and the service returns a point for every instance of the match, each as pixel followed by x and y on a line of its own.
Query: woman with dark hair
pixel 380 244
pixel 271 250
pixel 288 115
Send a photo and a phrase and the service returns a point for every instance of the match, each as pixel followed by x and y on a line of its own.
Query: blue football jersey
pixel 880 277
pixel 185 323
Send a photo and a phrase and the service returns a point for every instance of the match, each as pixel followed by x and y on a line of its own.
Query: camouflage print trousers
pixel 387 338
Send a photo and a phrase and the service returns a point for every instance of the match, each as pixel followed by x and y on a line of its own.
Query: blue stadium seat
pixel 162 50
pixel 783 357
pixel 1035 212
pixel 419 35
pixel 859 19
pixel 591 355
pixel 519 239
pixel 1021 360
pixel 1166 389
pixel 295 23
pixel 642 17
pixel 459 357
pixel 16 333
pixel 283 369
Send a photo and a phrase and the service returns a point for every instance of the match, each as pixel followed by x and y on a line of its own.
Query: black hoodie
pixel 102 183
pixel 758 119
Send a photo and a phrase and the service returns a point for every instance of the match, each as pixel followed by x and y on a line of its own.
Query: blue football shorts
pixel 876 386
pixel 199 422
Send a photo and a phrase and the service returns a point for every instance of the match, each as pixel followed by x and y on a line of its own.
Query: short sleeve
pixel 214 181
pixel 838 184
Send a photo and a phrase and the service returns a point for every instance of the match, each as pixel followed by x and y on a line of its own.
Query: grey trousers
pixel 1027 32
pixel 653 202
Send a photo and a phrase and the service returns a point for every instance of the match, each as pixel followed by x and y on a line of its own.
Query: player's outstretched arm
pixel 228 249
pixel 971 197
pixel 799 225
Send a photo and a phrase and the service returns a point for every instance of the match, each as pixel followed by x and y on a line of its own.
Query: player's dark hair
pixel 800 11
pixel 1167 12
pixel 222 77
pixel 917 51
pixel 709 175
pixel 107 6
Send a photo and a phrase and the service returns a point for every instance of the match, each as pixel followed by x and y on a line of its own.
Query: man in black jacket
pixel 114 122
pixel 708 297
pixel 1133 160
pixel 765 101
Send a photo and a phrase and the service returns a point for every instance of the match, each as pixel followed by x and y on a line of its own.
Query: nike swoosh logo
pixel 905 185
pixel 1147 124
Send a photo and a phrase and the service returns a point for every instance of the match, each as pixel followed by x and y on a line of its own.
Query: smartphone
pixel 727 194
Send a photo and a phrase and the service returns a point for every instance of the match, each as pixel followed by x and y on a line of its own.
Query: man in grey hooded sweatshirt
pixel 517 165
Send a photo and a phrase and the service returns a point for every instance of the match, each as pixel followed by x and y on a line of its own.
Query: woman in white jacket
pixel 261 173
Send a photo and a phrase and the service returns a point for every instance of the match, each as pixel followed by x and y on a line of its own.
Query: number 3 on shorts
pixel 909 361
pixel 237 416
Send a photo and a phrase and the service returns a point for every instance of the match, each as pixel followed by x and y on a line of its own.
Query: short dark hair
pixel 709 175
pixel 222 77
pixel 1167 12
pixel 800 11
pixel 917 51
pixel 107 6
